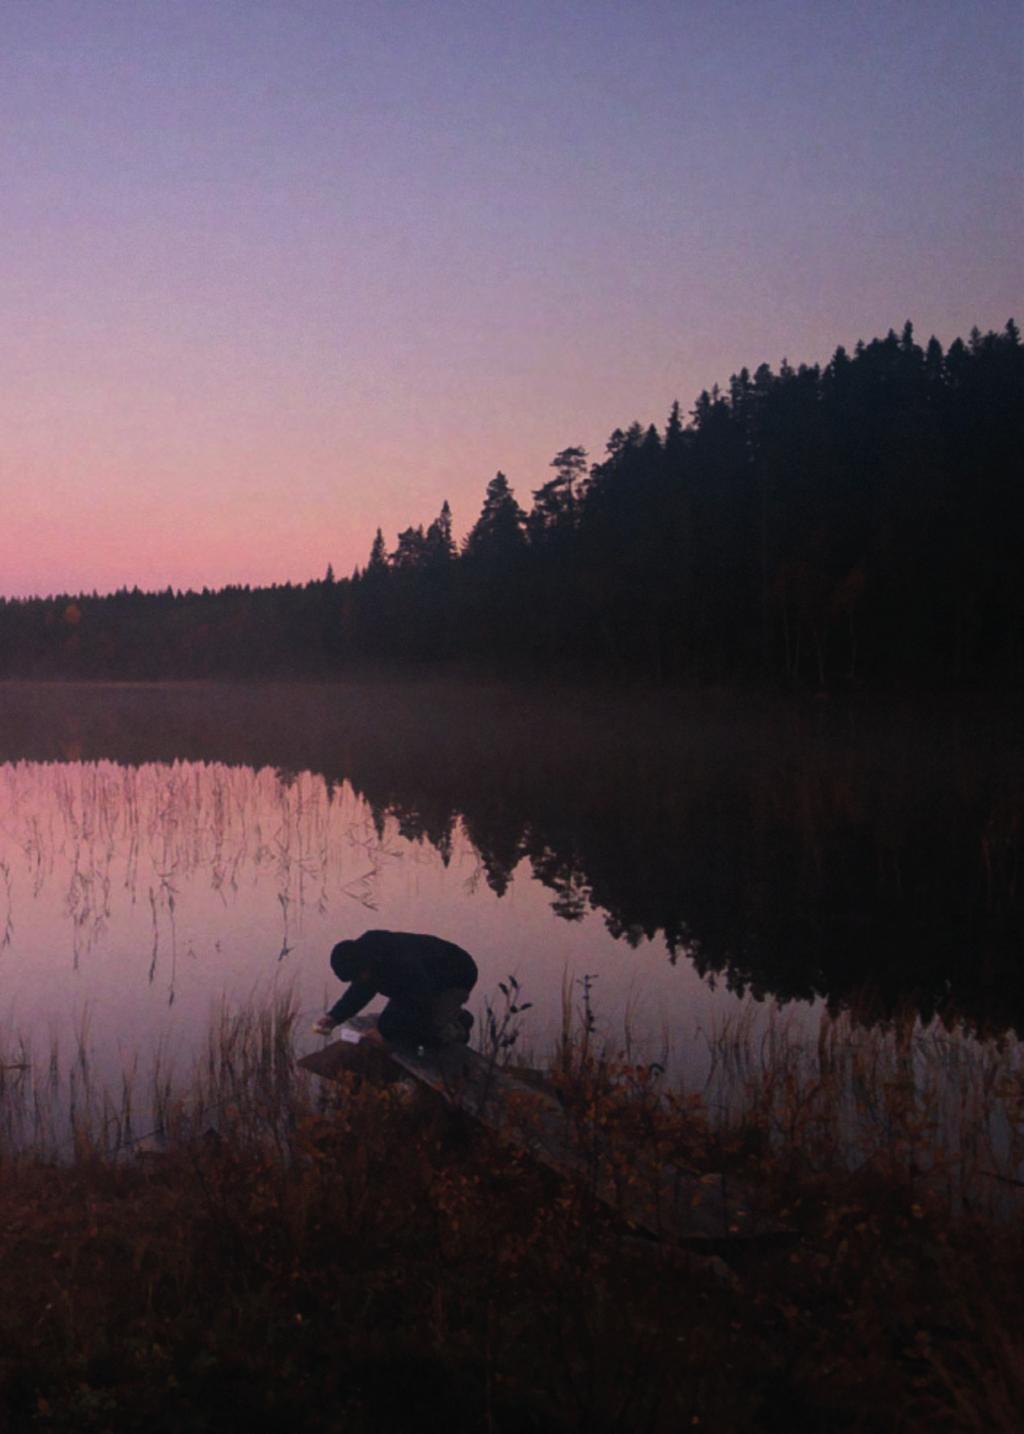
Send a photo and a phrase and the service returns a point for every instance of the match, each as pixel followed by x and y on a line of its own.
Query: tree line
pixel 856 523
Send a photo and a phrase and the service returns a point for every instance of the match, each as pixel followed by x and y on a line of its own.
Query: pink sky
pixel 273 276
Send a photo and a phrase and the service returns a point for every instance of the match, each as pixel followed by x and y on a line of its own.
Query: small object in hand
pixel 324 1026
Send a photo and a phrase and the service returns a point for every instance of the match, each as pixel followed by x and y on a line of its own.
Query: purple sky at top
pixel 276 272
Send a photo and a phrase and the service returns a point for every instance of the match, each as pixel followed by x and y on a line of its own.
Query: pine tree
pixel 411 548
pixel 499 532
pixel 556 504
pixel 378 555
pixel 674 432
pixel 440 545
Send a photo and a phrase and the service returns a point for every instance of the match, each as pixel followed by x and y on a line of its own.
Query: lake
pixel 697 860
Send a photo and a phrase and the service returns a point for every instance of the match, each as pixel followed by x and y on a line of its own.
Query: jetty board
pixel 699 1210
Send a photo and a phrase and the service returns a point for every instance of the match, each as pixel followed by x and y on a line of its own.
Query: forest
pixel 855 525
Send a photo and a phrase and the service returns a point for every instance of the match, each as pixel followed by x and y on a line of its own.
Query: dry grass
pixel 367 1258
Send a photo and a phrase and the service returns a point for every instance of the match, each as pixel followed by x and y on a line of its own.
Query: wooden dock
pixel 695 1209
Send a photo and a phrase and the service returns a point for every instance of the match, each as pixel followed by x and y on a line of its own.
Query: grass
pixel 363 1257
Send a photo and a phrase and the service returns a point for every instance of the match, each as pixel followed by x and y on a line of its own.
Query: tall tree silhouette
pixel 494 587
pixel 556 504
pixel 378 555
pixel 498 535
pixel 411 549
pixel 440 544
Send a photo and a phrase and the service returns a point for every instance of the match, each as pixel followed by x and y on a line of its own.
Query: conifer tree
pixel 440 544
pixel 556 504
pixel 499 532
pixel 378 555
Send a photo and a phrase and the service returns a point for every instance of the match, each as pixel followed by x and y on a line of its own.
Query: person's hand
pixel 324 1026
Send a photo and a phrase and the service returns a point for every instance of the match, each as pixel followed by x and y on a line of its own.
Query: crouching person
pixel 426 980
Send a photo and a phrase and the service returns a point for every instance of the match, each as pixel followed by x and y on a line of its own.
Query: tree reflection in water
pixel 870 860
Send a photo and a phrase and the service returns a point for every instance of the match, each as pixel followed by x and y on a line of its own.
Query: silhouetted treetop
pixel 500 530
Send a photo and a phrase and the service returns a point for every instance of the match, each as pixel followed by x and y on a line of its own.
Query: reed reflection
pixel 868 861
pixel 90 845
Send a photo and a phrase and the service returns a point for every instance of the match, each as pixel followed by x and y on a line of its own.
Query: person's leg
pixel 441 1021
pixel 451 1024
pixel 404 1023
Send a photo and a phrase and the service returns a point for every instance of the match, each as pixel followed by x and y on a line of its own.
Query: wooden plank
pixel 693 1208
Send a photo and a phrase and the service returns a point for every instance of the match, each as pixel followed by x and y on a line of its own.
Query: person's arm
pixel 352 1002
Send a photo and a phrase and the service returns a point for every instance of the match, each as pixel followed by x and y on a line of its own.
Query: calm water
pixel 133 897
pixel 163 847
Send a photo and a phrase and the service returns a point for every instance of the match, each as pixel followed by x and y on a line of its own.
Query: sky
pixel 274 273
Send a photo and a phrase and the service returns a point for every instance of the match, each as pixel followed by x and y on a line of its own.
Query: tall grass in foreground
pixel 54 1106
pixel 940 1108
pixel 928 1104
pixel 281 1254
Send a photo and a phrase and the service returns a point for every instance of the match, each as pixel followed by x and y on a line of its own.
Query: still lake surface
pixel 702 860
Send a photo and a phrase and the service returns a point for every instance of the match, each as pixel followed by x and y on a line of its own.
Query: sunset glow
pixel 274 275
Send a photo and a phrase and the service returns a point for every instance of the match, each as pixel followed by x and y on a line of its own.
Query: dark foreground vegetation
pixel 857 524
pixel 372 1260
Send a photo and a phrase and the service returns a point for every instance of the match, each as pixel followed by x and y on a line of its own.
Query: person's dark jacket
pixel 405 967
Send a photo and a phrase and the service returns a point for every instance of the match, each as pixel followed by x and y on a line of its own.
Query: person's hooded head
pixel 348 961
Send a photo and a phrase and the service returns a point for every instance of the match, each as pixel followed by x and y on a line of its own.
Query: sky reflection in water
pixel 133 898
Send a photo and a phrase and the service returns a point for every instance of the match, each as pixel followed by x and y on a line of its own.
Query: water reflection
pixel 870 862
pixel 136 897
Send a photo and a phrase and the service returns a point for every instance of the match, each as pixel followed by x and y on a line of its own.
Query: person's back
pixel 405 963
pixel 425 978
